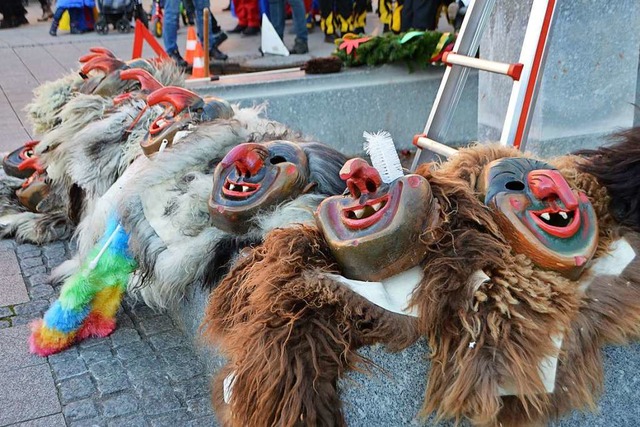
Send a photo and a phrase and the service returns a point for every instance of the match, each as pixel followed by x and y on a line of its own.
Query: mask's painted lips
pixel 363 216
pixel 161 123
pixel 557 222
pixel 239 190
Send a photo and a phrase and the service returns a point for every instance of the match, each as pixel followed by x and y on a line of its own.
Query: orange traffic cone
pixel 192 41
pixel 198 63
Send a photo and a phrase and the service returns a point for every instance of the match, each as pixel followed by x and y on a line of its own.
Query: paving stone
pixel 96 353
pixel 31 262
pixel 6 312
pixel 53 262
pixel 166 340
pixel 56 420
pixel 194 388
pixel 76 388
pixel 30 254
pixel 123 320
pixel 23 320
pixel 89 422
pixel 200 407
pixel 202 422
pixel 122 336
pixel 156 325
pixel 39 279
pixel 57 251
pixel 159 403
pixel 34 271
pixel 145 368
pixel 129 421
pixel 4 324
pixel 7 244
pixel 133 351
pixel 70 353
pixel 80 410
pixel 120 405
pixel 68 368
pixel 13 290
pixel 14 349
pixel 110 376
pixel 90 342
pixel 41 291
pixel 178 417
pixel 27 393
pixel 26 247
pixel 182 363
pixel 32 308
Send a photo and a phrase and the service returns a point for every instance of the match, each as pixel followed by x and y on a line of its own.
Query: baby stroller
pixel 119 13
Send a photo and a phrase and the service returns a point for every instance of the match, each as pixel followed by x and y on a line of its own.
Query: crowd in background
pixel 337 18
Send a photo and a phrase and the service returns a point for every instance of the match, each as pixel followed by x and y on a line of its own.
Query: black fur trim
pixel 221 257
pixel 617 167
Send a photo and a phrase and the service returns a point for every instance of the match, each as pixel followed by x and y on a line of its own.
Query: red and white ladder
pixel 526 74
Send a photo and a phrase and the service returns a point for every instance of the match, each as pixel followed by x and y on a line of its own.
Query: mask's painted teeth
pixel 358 213
pixel 377 206
pixel 563 215
pixel 546 216
pixel 245 188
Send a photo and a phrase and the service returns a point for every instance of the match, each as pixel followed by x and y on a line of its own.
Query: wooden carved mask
pixel 374 231
pixel 540 214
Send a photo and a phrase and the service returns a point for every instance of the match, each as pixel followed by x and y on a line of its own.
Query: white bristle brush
pixel 384 157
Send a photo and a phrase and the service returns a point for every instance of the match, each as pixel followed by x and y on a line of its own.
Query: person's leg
pixel 344 9
pixel 170 25
pixel 299 19
pixel 359 16
pixel 56 20
pixel 75 14
pixel 215 38
pixel 253 14
pixel 327 24
pixel 276 10
pixel 47 13
pixel 407 16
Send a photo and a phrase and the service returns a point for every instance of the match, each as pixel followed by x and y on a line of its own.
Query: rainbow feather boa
pixel 89 299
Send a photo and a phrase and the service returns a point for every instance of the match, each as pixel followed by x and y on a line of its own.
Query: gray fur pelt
pixel 176 185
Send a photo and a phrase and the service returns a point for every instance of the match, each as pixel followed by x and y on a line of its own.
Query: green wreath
pixel 412 47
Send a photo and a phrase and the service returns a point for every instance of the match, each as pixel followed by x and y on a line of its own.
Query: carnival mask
pixel 148 84
pixel 182 108
pixel 254 177
pixel 34 190
pixel 375 231
pixel 22 162
pixel 108 83
pixel 541 216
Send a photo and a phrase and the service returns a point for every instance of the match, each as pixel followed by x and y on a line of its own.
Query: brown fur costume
pixel 609 310
pixel 290 333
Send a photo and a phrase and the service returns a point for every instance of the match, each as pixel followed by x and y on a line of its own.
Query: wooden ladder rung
pixel 512 70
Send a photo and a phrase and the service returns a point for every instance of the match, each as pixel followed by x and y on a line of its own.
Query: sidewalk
pixel 144 374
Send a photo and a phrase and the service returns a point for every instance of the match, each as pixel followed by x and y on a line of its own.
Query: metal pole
pixel 205 39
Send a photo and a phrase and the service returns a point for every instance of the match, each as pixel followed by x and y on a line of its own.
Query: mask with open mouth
pixel 34 190
pixel 22 162
pixel 541 216
pixel 183 108
pixel 254 177
pixel 148 84
pixel 375 231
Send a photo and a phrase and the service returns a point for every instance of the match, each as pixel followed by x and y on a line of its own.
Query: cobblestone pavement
pixel 145 374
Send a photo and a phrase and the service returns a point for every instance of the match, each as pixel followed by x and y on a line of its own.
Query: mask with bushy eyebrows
pixel 540 214
pixel 375 231
pixel 253 178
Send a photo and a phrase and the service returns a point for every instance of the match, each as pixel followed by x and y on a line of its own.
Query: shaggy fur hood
pixel 481 337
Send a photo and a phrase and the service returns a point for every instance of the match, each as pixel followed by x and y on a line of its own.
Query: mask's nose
pixel 179 97
pixel 361 178
pixel 550 184
pixel 246 158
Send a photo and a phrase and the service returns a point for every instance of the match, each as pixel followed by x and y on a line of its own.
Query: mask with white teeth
pixel 540 214
pixel 375 231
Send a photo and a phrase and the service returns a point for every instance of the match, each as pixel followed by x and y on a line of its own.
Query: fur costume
pixel 93 145
pixel 609 289
pixel 315 325
pixel 164 212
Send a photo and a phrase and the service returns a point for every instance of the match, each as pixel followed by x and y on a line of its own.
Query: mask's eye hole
pixel 514 186
pixel 277 159
pixel 371 186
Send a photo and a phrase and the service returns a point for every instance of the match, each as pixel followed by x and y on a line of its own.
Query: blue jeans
pixel 170 25
pixel 276 10
pixel 74 15
pixel 200 5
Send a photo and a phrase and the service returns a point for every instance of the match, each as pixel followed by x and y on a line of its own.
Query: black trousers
pixel 420 14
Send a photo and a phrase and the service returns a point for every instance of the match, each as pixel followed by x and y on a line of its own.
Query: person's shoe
pixel 215 53
pixel 47 14
pixel 178 59
pixel 299 47
pixel 330 38
pixel 251 31
pixel 53 31
pixel 238 29
pixel 452 11
pixel 75 30
pixel 219 38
